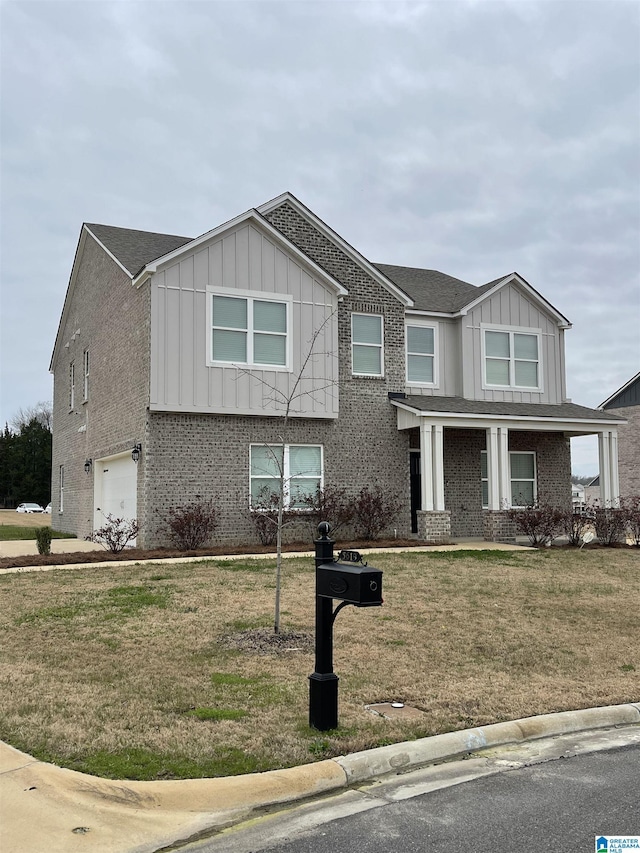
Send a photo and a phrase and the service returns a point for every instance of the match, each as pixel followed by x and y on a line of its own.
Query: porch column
pixel 504 468
pixel 608 459
pixel 432 466
pixel 493 468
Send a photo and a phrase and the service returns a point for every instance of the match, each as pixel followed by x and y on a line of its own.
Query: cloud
pixel 472 137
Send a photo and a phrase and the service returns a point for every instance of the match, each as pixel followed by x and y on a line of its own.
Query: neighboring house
pixel 577 494
pixel 625 403
pixel 449 395
pixel 592 491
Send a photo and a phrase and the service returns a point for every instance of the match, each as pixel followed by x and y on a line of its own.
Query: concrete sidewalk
pixel 46 808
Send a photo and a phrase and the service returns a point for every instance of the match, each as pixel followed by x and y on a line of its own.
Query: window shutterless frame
pixel 523 477
pixel 300 465
pixel 421 353
pixel 367 345
pixel 85 370
pixel 72 386
pixel 249 329
pixel 511 358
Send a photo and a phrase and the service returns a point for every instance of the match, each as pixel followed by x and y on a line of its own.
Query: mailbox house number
pixel 351 557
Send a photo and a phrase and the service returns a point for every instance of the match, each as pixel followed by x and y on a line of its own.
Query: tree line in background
pixel 25 457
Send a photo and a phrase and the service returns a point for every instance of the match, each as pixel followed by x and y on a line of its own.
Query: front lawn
pixel 161 671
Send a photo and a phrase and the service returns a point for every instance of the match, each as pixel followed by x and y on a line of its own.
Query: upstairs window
pixel 512 359
pixel 85 370
pixel 301 469
pixel 248 330
pixel 72 386
pixel 421 354
pixel 367 355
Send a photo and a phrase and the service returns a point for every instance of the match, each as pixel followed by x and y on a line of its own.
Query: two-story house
pixel 174 357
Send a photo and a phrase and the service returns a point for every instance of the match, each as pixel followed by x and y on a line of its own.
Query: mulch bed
pixel 138 554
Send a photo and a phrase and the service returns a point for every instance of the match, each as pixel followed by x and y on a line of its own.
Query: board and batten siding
pixel 510 307
pixel 244 259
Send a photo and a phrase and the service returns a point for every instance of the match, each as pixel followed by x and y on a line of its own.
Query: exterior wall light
pixel 135 453
pixel 88 463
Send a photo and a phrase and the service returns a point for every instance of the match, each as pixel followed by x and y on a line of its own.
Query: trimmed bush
pixel 540 522
pixel 374 512
pixel 43 540
pixel 116 533
pixel 191 526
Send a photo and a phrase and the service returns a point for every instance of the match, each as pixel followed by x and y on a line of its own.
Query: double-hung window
pixel 522 470
pixel 421 354
pixel 250 330
pixel 367 345
pixel 297 466
pixel 72 386
pixel 511 359
pixel 85 370
pixel 61 490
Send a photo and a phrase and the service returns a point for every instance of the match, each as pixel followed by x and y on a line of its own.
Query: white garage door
pixel 116 488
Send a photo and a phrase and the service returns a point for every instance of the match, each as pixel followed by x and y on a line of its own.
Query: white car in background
pixel 48 508
pixel 29 507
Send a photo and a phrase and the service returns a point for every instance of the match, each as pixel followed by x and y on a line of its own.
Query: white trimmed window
pixel 511 358
pixel 61 490
pixel 249 330
pixel 85 371
pixel 421 343
pixel 300 464
pixel 367 345
pixel 523 478
pixel 72 386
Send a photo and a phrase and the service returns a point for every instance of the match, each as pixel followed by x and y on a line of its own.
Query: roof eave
pixel 561 320
pixel 251 215
pixel 619 391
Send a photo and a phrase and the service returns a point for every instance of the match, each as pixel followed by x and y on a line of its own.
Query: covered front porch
pixel 471 465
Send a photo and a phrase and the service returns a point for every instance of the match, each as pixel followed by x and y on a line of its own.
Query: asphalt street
pixel 559 805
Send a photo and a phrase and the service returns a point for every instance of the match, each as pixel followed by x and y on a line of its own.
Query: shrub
pixel 191 526
pixel 540 522
pixel 116 533
pixel 609 524
pixel 43 540
pixel 575 523
pixel 330 504
pixel 631 509
pixel 373 512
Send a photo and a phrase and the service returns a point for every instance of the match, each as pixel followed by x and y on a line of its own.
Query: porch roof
pixel 458 411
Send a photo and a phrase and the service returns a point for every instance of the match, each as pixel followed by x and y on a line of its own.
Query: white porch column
pixel 493 468
pixel 432 466
pixel 504 468
pixel 608 458
pixel 438 468
pixel 426 465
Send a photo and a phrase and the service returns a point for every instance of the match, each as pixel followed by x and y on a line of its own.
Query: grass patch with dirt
pixel 151 672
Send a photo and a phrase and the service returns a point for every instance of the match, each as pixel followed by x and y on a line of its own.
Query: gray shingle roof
pixel 460 405
pixel 135 249
pixel 432 290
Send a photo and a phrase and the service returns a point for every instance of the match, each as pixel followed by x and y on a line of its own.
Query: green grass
pixel 11 531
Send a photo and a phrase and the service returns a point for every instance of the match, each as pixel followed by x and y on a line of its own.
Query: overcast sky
pixel 476 138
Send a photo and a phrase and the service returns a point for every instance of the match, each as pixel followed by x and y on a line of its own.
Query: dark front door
pixel 416 489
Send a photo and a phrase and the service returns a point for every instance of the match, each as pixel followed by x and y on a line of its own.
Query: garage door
pixel 116 488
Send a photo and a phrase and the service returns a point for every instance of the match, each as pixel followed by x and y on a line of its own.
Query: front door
pixel 416 488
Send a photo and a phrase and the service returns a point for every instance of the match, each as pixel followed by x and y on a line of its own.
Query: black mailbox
pixel 359 585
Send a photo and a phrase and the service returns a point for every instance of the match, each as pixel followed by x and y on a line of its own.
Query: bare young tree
pixel 285 401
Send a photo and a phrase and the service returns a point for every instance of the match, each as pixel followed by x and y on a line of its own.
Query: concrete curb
pixel 407 756
pixel 48 803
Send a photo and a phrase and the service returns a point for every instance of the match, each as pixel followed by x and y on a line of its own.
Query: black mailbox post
pixel 351 582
